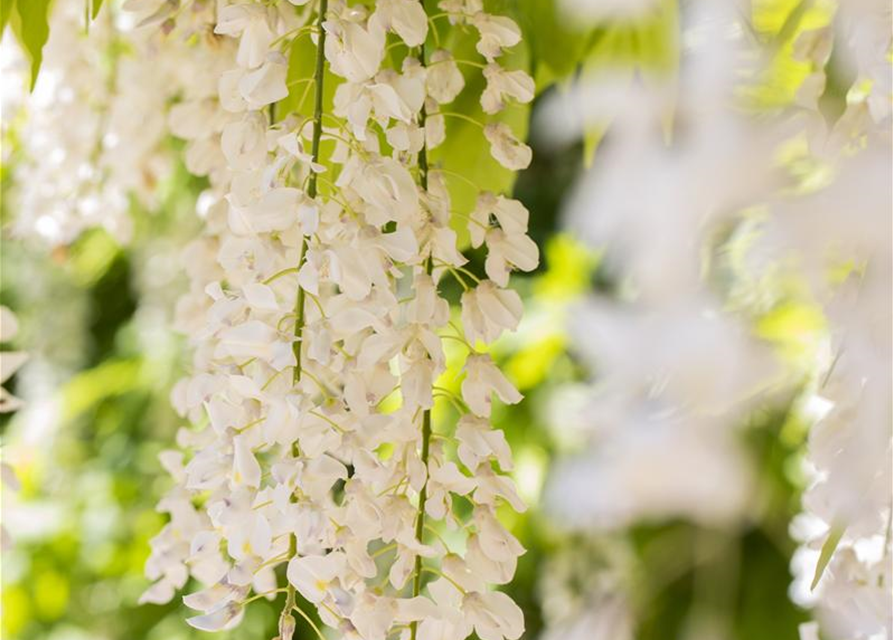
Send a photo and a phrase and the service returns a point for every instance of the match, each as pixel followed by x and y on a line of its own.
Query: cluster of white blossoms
pixel 840 238
pixel 844 565
pixel 115 85
pixel 676 370
pixel 317 323
pixel 89 137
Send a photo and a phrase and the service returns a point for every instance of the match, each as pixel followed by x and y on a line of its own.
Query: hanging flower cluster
pixel 115 84
pixel 318 324
pixel 830 232
pixel 844 564
pixel 675 370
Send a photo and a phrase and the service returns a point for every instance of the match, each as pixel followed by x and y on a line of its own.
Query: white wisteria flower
pixel 510 152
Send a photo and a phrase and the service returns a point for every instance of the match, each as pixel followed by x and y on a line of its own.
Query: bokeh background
pixel 659 532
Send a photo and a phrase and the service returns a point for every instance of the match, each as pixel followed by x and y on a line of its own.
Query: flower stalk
pixel 318 83
pixel 308 483
pixel 426 415
pixel 297 345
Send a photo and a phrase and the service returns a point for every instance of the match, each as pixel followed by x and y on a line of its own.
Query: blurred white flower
pixel 654 469
pixel 10 361
pixel 675 371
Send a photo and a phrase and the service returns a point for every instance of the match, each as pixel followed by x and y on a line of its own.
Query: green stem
pixel 457 339
pixel 420 519
pixel 308 619
pixel 279 274
pixel 471 63
pixel 460 116
pixel 290 590
pixel 423 152
pixel 334 424
pixel 437 535
pixel 458 278
pixel 447 578
pixel 426 415
pixel 383 550
pixel 319 76
pixel 292 35
pixel 258 596
pixel 459 176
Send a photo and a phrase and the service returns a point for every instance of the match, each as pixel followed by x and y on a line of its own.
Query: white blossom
pixel 444 81
pixel 508 151
pixel 405 17
pixel 496 34
pixel 501 84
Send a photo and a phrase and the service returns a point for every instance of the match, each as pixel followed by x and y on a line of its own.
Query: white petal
pixel 9 324
pixel 246 469
pixel 10 361
pixel 227 617
pixel 260 296
pixel 508 151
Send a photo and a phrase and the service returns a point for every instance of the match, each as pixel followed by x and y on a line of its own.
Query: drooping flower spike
pixel 318 326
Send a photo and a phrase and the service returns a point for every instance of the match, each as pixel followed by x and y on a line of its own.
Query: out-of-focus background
pixel 670 353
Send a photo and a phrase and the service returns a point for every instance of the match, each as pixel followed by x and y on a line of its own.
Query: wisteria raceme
pixel 843 566
pixel 682 394
pixel 848 507
pixel 676 394
pixel 317 321
pixel 73 178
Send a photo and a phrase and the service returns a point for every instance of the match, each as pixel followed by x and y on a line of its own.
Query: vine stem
pixel 426 415
pixel 460 116
pixel 319 75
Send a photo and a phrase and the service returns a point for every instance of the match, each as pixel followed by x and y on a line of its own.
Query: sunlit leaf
pixel 111 378
pixel 556 46
pixel 33 31
pixel 646 50
pixel 5 11
pixel 827 552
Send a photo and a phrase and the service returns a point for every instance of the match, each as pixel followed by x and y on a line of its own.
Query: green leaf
pixel 770 16
pixel 112 377
pixel 5 11
pixel 33 31
pixel 97 5
pixel 301 86
pixel 592 137
pixel 610 49
pixel 556 47
pixel 828 550
pixel 647 48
